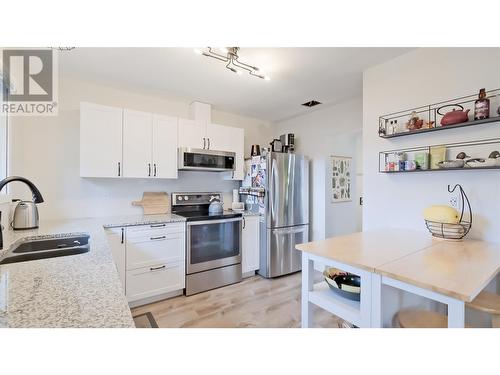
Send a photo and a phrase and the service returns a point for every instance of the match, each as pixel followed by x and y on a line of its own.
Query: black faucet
pixel 37 196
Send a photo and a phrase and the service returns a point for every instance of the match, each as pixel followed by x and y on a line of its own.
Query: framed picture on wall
pixel 340 177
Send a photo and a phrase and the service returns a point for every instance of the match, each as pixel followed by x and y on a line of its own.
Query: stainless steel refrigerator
pixel 284 208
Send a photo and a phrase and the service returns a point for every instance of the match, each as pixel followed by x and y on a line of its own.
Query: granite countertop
pixel 72 291
pixel 127 221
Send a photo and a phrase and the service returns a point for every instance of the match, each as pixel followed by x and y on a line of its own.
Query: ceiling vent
pixel 312 103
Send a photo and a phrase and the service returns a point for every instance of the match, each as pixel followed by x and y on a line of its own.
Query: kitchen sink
pixel 48 248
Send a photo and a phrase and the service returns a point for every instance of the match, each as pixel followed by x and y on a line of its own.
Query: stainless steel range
pixel 213 242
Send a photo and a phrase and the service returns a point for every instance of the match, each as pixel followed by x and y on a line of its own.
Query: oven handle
pixel 192 223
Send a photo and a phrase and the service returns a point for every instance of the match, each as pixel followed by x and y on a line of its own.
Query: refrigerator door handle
pixel 291 230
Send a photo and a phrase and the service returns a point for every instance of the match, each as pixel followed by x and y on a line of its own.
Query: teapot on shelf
pixel 454 116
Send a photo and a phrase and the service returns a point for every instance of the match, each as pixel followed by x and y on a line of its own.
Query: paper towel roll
pixel 236 195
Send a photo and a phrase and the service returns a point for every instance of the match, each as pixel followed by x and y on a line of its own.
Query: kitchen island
pixel 451 273
pixel 71 291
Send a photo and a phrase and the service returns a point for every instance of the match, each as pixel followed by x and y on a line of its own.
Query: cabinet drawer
pixel 155 229
pixel 155 280
pixel 152 248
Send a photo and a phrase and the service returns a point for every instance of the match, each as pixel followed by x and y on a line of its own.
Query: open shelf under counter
pixel 342 307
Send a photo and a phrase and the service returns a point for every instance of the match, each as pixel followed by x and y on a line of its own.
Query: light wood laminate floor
pixel 255 302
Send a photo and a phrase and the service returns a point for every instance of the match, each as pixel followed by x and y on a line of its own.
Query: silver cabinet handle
pixel 154 169
pixel 204 142
pixel 149 169
pixel 157 225
pixel 158 238
pixel 208 143
pixel 119 169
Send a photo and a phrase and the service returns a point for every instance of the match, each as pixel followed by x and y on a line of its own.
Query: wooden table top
pixel 456 269
pixel 371 249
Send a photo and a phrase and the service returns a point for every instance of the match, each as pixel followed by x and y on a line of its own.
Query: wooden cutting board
pixel 154 203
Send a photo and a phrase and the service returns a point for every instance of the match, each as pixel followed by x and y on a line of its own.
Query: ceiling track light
pixel 232 59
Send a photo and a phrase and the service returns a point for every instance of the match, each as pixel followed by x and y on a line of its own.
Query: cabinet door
pixel 137 138
pixel 116 240
pixel 228 138
pixel 155 280
pixel 239 148
pixel 164 146
pixel 250 244
pixel 100 141
pixel 192 134
pixel 219 137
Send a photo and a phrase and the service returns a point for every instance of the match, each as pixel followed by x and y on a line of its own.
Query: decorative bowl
pixel 345 285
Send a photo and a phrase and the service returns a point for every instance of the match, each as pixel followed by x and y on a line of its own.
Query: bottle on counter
pixel 482 106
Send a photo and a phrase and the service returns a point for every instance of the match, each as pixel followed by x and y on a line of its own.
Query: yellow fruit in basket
pixel 442 214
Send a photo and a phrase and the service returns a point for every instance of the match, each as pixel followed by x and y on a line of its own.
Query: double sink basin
pixel 51 247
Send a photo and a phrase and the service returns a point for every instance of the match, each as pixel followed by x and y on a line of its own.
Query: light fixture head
pixel 231 57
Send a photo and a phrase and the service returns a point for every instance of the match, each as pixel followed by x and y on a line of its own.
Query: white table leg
pixel 456 314
pixel 376 302
pixel 307 286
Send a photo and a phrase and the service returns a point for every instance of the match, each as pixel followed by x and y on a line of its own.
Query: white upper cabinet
pixel 219 137
pixel 116 142
pixel 164 146
pixel 192 134
pixel 137 146
pixel 228 138
pixel 100 141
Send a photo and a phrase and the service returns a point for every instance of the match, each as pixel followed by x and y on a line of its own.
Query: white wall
pixel 345 217
pixel 46 150
pixel 396 201
pixel 319 134
pixel 417 78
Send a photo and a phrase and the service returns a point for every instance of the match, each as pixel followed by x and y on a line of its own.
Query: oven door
pixel 212 244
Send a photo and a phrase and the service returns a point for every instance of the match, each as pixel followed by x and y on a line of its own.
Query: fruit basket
pixel 453 231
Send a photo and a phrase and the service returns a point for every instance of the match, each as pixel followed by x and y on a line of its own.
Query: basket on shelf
pixel 451 231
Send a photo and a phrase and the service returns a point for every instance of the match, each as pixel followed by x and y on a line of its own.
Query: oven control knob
pixel 179 198
pixel 186 197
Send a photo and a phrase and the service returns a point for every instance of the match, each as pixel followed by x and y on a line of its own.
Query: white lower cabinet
pixel 154 280
pixel 250 245
pixel 150 259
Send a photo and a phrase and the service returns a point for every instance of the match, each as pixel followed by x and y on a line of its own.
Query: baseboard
pixel 146 301
pixel 248 274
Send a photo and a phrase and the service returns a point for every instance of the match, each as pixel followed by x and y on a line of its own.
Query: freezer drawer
pixel 282 258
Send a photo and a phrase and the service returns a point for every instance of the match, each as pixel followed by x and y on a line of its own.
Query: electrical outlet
pixel 454 202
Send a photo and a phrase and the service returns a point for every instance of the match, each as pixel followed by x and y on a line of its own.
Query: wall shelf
pixel 407 160
pixel 445 127
pixel 443 169
pixel 394 124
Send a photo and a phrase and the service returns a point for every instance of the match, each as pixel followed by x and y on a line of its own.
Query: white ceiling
pixel 298 75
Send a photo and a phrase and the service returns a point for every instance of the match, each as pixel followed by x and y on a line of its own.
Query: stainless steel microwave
pixel 192 159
